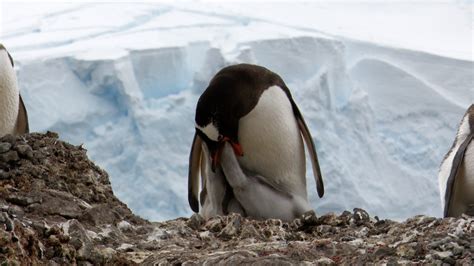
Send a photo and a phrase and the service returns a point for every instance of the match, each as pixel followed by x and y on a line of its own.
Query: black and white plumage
pixel 249 110
pixel 13 116
pixel 456 175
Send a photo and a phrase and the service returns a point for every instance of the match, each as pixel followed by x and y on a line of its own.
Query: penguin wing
pixel 193 174
pixel 457 160
pixel 311 149
pixel 22 125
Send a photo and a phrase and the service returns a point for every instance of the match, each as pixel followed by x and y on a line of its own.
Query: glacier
pixel 382 115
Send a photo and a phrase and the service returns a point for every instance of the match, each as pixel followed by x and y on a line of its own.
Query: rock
pixel 4 174
pixel 360 216
pixel 309 218
pixel 23 200
pixel 407 250
pixel 25 151
pixel 214 224
pixel 101 214
pixel 249 231
pixel 4 147
pixel 58 208
pixel 232 228
pixel 324 261
pixel 196 221
pixel 10 156
pixel 6 221
pixel 384 252
pixel 8 138
pixel 125 226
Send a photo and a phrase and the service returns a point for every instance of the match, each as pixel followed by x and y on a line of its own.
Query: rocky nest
pixel 56 206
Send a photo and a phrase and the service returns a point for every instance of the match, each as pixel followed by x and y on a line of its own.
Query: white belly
pixel 271 142
pixel 9 99
pixel 465 178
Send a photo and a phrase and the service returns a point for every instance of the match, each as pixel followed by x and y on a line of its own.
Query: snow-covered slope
pixel 124 80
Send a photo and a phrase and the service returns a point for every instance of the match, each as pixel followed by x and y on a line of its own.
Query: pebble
pixel 25 150
pixel 10 156
pixel 9 138
pixel 9 225
pixel 324 261
pixel 4 175
pixel 23 200
pixel 4 147
pixel 360 216
pixel 232 228
pixel 445 256
pixel 196 221
pixel 214 224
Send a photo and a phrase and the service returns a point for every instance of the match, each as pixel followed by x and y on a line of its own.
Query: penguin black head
pixel 232 93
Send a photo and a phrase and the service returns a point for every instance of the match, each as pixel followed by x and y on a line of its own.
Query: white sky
pixel 439 27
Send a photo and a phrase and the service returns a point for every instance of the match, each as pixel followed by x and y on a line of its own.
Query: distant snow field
pixel 383 88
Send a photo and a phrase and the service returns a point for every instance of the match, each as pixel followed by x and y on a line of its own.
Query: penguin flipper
pixel 311 149
pixel 203 194
pixel 22 125
pixel 457 160
pixel 193 174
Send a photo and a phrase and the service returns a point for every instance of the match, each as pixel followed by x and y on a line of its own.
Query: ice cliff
pixel 382 117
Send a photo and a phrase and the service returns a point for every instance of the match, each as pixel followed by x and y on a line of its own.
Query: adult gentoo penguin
pixel 13 116
pixel 456 175
pixel 249 110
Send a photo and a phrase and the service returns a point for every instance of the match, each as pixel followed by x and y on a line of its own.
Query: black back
pixel 232 93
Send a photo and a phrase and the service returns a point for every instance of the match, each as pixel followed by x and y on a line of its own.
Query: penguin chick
pixel 257 198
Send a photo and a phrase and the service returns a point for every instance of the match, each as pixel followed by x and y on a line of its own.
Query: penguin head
pixel 232 93
pixel 216 124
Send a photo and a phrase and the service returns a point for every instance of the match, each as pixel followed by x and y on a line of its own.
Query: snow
pixel 382 88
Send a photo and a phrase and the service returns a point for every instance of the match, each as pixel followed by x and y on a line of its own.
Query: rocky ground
pixel 57 207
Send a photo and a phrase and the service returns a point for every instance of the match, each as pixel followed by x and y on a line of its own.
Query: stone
pixel 445 256
pixel 7 222
pixel 360 216
pixel 309 218
pixel 23 200
pixel 25 151
pixel 324 261
pixel 196 221
pixel 10 156
pixel 232 228
pixel 4 147
pixel 4 174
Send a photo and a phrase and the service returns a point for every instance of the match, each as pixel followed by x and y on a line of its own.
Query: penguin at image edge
pixel 456 174
pixel 13 115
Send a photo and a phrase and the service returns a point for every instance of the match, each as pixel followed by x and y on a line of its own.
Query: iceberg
pixel 382 116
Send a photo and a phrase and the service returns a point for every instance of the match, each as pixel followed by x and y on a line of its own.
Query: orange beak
pixel 215 156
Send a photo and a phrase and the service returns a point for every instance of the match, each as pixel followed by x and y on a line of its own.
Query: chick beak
pixel 215 156
pixel 235 146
